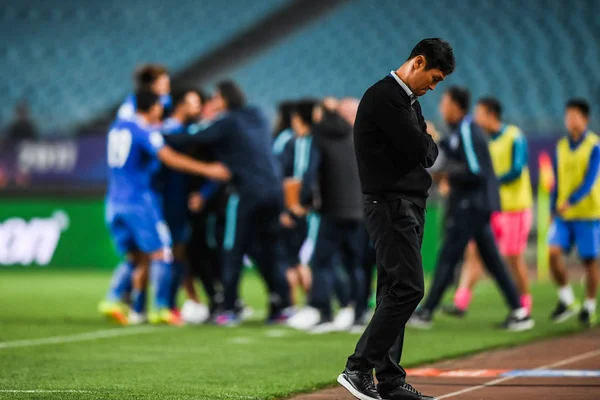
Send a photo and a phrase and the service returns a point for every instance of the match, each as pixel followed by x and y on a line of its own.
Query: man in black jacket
pixel 393 150
pixel 339 230
pixel 473 197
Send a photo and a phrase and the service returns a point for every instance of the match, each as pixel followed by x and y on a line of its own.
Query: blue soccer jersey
pixel 134 210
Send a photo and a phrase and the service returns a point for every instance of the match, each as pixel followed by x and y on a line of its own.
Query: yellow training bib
pixel 515 195
pixel 572 166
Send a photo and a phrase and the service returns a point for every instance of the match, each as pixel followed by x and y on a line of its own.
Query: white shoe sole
pixel 567 315
pixel 342 381
pixel 420 325
pixel 522 326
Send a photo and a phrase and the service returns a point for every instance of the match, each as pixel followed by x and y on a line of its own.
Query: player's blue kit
pixel 133 205
pixel 128 107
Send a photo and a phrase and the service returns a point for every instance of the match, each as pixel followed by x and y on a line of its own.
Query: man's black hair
pixel 581 105
pixel 284 110
pixel 438 54
pixel 145 99
pixel 147 74
pixel 204 95
pixel 304 108
pixel 461 96
pixel 493 105
pixel 232 94
pixel 178 96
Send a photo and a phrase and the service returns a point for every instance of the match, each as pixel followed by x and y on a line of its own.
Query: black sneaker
pixel 421 319
pixel 361 385
pixel 563 312
pixel 516 324
pixel 587 319
pixel 453 311
pixel 405 392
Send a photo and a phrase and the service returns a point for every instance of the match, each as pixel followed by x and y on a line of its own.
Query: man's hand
pixel 433 132
pixel 286 220
pixel 196 202
pixel 444 187
pixel 563 207
pixel 218 171
pixel 298 210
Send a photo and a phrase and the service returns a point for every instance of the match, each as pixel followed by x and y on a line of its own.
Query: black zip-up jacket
pixel 241 139
pixel 334 167
pixel 392 145
pixel 473 183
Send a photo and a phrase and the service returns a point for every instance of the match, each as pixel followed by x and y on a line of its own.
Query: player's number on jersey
pixel 119 145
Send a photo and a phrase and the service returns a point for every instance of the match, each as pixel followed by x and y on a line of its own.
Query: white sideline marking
pixel 570 360
pixel 276 333
pixel 80 337
pixel 42 391
pixel 240 340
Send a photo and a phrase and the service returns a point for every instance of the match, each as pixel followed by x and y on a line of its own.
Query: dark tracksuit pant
pixel 252 227
pixel 462 225
pixel 336 237
pixel 396 230
pixel 204 252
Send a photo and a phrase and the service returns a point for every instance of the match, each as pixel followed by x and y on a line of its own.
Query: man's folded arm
pixel 396 122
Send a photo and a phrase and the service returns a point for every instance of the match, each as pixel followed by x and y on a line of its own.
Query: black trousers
pixel 204 252
pixel 396 230
pixel 252 226
pixel 343 238
pixel 462 225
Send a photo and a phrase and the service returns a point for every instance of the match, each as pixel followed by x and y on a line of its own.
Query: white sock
pixel 520 313
pixel 590 305
pixel 565 294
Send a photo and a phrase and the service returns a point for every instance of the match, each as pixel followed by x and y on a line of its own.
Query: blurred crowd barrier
pixel 52 203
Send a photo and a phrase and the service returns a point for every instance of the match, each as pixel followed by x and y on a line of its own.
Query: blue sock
pixel 161 275
pixel 138 300
pixel 121 281
pixel 177 278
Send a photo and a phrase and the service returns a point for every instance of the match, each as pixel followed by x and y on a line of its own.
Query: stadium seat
pixel 501 50
pixel 72 60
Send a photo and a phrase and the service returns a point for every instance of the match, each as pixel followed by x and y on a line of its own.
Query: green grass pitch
pixel 205 362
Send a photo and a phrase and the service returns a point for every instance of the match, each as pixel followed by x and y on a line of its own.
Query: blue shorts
pixel 583 234
pixel 138 227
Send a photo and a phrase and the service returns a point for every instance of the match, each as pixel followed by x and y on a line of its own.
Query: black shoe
pixel 405 392
pixel 563 312
pixel 361 385
pixel 453 311
pixel 420 319
pixel 516 324
pixel 587 319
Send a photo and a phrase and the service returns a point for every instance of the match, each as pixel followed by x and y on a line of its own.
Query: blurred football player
pixel 186 109
pixel 241 137
pixel 134 216
pixel 153 77
pixel 297 158
pixel 576 210
pixel 511 226
pixel 474 195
